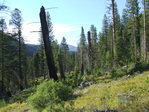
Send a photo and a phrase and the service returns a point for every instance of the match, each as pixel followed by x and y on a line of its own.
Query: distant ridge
pixel 72 48
pixel 32 48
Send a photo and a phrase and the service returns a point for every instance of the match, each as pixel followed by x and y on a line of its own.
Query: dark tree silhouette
pixel 47 45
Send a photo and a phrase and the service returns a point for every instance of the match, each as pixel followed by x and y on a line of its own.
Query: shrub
pixel 97 72
pixel 140 66
pixel 117 73
pixel 73 80
pixel 49 93
pixel 2 103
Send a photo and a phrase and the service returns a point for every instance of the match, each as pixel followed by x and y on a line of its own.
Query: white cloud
pixel 60 30
pixel 28 33
pixel 68 31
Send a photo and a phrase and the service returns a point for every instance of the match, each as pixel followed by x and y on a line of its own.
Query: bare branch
pixel 51 8
pixel 34 31
pixel 32 23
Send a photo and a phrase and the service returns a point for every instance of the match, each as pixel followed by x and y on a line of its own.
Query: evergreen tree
pixel 133 10
pixel 55 50
pixel 126 36
pixel 93 45
pixel 89 53
pixel 54 42
pixel 36 64
pixel 82 49
pixel 145 24
pixel 50 27
pixel 16 20
pixel 64 56
pixel 2 28
pixel 105 29
pixel 104 43
pixel 119 41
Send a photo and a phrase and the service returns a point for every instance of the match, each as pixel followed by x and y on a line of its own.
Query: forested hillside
pixel 53 77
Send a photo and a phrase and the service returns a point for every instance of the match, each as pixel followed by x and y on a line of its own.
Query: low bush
pixel 97 72
pixel 2 103
pixel 140 66
pixel 117 73
pixel 73 80
pixel 49 93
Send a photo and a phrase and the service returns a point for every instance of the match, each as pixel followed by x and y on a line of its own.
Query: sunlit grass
pixel 15 107
pixel 123 95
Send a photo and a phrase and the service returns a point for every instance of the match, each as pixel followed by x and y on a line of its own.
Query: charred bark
pixel 47 45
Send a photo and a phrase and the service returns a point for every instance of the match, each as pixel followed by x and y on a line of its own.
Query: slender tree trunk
pixel 145 43
pixel 114 36
pixel 20 63
pixel 89 54
pixel 47 45
pixel 81 61
pixel 2 71
pixel 134 42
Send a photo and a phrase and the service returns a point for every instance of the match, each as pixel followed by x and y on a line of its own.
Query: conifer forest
pixel 109 71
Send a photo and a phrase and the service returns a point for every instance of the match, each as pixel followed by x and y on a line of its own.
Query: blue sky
pixel 67 19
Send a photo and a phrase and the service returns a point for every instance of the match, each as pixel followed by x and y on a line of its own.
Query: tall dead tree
pixel 113 34
pixel 89 53
pixel 145 42
pixel 47 45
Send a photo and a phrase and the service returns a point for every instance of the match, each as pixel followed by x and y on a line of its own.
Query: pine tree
pixel 105 30
pixel 61 65
pixel 94 46
pixel 89 53
pixel 146 14
pixel 64 55
pixel 55 50
pixel 16 20
pixel 42 59
pixel 133 10
pixel 50 27
pixel 126 37
pixel 82 48
pixel 36 64
pixel 104 43
pixel 3 27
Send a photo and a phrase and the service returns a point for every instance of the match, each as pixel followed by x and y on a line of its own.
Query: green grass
pixel 124 95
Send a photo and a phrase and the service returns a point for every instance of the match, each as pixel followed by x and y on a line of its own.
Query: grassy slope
pixel 124 95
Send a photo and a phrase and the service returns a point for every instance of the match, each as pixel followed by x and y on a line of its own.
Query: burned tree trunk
pixel 47 45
